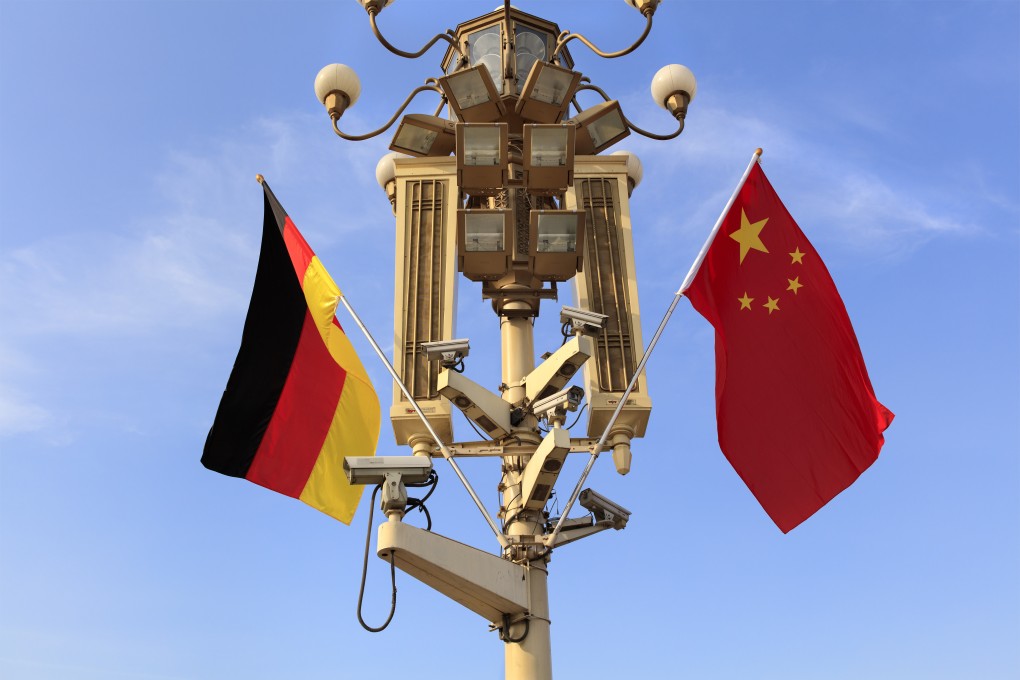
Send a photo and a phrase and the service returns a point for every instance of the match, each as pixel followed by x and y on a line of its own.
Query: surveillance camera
pixel 559 403
pixel 583 321
pixel 604 509
pixel 448 352
pixel 543 469
pixel 553 374
pixel 373 469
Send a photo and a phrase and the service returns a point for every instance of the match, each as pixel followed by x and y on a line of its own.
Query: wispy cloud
pixel 96 294
pixel 19 415
pixel 828 187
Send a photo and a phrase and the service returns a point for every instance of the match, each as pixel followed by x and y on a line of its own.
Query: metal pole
pixel 528 654
pixel 447 454
pixel 597 449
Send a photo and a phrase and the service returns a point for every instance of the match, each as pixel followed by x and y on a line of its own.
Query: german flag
pixel 298 398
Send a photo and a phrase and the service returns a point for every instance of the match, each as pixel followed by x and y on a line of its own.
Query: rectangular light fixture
pixel 556 243
pixel 548 157
pixel 473 96
pixel 483 243
pixel 422 135
pixel 547 93
pixel 483 157
pixel 599 127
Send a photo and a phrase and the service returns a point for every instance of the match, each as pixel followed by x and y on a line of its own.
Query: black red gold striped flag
pixel 298 398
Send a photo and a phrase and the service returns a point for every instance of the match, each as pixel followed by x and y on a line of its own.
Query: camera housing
pixel 374 469
pixel 556 406
pixel 604 509
pixel 583 321
pixel 449 353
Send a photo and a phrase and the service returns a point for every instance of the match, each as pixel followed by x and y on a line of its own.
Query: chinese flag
pixel 797 416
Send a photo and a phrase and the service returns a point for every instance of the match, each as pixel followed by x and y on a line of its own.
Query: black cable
pixel 477 431
pixel 364 573
pixel 565 333
pixel 419 503
pixel 579 413
pixel 504 630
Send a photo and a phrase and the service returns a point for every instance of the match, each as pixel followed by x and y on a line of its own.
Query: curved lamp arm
pixel 566 36
pixel 448 37
pixel 626 121
pixel 389 123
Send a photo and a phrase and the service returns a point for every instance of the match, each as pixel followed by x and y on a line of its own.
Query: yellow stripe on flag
pixel 354 430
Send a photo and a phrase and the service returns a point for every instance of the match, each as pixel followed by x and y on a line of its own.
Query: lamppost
pixel 526 201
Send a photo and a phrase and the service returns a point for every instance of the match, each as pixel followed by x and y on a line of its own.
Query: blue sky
pixel 130 135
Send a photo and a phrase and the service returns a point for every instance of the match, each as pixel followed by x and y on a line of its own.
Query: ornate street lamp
pixel 527 201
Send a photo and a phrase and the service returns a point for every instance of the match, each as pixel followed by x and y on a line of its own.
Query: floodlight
pixel 422 135
pixel 483 243
pixel 557 242
pixel 547 93
pixel 473 95
pixel 482 157
pixel 599 127
pixel 529 49
pixel 485 48
pixel 548 157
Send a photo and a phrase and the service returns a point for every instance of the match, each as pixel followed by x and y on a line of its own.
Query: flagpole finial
pixel 262 180
pixel 757 152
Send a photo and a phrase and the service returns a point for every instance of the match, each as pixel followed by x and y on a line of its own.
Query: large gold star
pixel 748 236
pixel 795 285
pixel 772 305
pixel 745 302
pixel 797 256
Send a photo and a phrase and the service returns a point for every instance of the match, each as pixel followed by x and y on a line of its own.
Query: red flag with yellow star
pixel 797 416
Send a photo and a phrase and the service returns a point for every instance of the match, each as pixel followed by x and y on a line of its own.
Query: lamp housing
pixel 483 157
pixel 484 240
pixel 598 128
pixel 635 171
pixel 376 6
pixel 556 243
pixel 547 92
pixel 473 96
pixel 646 7
pixel 548 157
pixel 337 87
pixel 673 88
pixel 422 135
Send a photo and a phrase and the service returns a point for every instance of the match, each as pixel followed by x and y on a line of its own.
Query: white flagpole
pixel 718 224
pixel 447 454
pixel 550 540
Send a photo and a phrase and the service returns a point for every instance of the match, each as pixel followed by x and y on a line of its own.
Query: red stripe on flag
pixel 300 252
pixel 302 418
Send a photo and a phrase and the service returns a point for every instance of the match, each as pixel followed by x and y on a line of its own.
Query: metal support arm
pixel 566 36
pixel 429 85
pixel 626 121
pixel 449 37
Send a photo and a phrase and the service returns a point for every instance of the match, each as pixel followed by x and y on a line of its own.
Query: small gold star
pixel 795 284
pixel 748 236
pixel 745 302
pixel 772 305
pixel 798 257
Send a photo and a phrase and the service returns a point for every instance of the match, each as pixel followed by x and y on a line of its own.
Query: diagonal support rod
pixel 550 540
pixel 447 454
